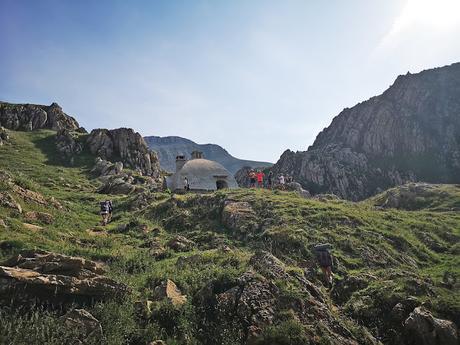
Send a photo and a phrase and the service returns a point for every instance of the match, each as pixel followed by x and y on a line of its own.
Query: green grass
pixel 396 247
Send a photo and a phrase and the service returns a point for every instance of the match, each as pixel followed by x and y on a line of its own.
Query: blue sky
pixel 256 77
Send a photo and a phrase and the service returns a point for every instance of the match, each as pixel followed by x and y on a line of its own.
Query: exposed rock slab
pixel 169 290
pixel 55 278
pixel 29 117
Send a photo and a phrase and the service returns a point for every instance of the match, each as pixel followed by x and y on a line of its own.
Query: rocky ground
pixel 231 267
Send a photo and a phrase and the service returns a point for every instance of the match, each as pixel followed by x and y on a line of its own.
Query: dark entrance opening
pixel 220 184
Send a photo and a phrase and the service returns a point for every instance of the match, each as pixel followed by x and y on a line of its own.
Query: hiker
pixel 281 181
pixel 260 178
pixel 186 184
pixel 252 179
pixel 324 259
pixel 270 180
pixel 106 211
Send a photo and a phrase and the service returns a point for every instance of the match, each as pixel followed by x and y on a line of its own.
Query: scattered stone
pixel 29 195
pixel 168 289
pixel 32 227
pixel 157 250
pixel 422 328
pixel 180 244
pixel 84 324
pixel 3 224
pixel 116 185
pixel 42 217
pixel 157 342
pixel 55 278
pixel 144 308
pixel 6 200
pixel 297 187
pixel 103 167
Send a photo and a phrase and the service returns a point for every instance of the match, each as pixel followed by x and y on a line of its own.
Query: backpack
pixel 324 258
pixel 105 206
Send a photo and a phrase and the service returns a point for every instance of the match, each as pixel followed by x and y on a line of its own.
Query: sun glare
pixel 437 15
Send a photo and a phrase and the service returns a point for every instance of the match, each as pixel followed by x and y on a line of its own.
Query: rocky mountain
pixel 169 147
pixel 411 132
pixel 29 117
pixel 128 146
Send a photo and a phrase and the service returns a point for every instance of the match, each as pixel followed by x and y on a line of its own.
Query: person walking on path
pixel 106 211
pixel 324 258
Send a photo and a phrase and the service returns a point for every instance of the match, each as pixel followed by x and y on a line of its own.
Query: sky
pixel 256 77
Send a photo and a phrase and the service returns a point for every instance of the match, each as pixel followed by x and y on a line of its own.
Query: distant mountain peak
pixel 170 146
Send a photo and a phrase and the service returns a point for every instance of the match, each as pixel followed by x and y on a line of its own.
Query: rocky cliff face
pixel 125 145
pixel 409 133
pixel 29 117
pixel 169 147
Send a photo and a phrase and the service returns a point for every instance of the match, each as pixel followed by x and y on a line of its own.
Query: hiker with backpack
pixel 106 211
pixel 324 258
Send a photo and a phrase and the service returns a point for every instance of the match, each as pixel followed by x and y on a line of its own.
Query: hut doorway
pixel 220 184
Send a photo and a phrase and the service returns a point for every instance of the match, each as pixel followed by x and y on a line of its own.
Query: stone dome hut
pixel 202 174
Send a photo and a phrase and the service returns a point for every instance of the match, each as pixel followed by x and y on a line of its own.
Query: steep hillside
pixel 169 147
pixel 231 267
pixel 409 133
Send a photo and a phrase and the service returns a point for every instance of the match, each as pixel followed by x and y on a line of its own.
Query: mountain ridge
pixel 170 146
pixel 410 132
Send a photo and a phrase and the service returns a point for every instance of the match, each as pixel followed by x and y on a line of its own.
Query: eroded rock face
pixel 56 279
pixel 29 117
pixel 126 145
pixel 409 133
pixel 67 145
pixel 422 328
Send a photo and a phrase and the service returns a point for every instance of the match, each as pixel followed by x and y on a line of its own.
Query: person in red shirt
pixel 260 178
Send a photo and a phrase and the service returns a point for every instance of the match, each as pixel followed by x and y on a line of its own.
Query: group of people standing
pixel 257 178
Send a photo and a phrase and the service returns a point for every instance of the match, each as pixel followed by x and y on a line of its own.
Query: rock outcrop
pixel 127 146
pixel 104 168
pixel 29 117
pixel 67 145
pixel 85 325
pixel 55 279
pixel 409 133
pixel 422 328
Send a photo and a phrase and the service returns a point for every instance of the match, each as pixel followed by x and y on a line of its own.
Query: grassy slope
pixel 401 249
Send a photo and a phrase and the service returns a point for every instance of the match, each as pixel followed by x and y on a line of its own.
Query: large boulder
pixel 56 279
pixel 103 167
pixel 7 200
pixel 242 177
pixel 126 145
pixel 116 184
pixel 85 325
pixel 67 145
pixel 29 117
pixel 421 328
pixel 168 290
